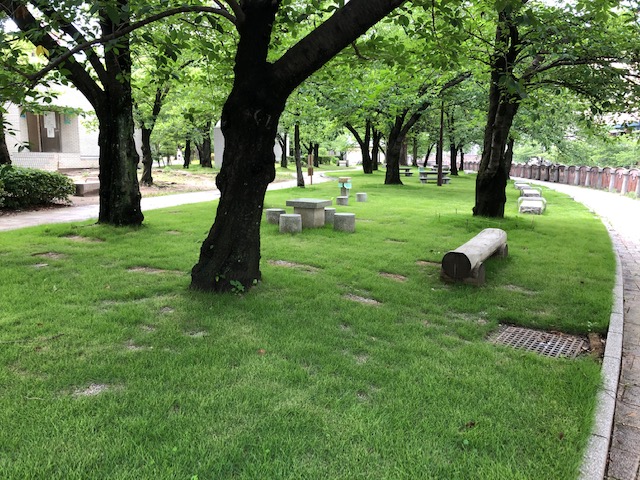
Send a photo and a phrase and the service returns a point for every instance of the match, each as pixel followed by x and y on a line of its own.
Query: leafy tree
pixel 230 255
pixel 537 46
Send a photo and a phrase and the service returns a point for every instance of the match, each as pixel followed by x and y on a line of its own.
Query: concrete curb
pixel 594 462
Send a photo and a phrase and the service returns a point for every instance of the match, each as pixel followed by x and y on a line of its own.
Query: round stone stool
pixel 290 223
pixel 328 215
pixel 344 222
pixel 273 215
pixel 361 197
pixel 342 200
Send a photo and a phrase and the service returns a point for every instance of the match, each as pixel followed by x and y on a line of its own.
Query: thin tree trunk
pixel 205 146
pixel 297 155
pixel 5 158
pixel 375 149
pixel 363 143
pixel 414 152
pixel 187 153
pixel 453 154
pixel 282 140
pixel 429 151
pixel 147 159
pixel 461 167
pixel 316 154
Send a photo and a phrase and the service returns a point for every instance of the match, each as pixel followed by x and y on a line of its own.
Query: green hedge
pixel 27 187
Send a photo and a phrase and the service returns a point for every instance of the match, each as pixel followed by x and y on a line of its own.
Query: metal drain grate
pixel 544 343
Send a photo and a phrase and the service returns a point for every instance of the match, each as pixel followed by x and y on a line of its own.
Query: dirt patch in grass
pixel 197 334
pixel 300 266
pixel 427 263
pixel 393 276
pixel 154 271
pixel 364 300
pixel 516 288
pixel 80 238
pixel 51 255
pixel 393 240
pixel 92 390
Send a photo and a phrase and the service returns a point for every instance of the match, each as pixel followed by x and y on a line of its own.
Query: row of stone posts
pixel 621 180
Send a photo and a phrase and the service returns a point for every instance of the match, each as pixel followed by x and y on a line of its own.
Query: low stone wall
pixel 621 180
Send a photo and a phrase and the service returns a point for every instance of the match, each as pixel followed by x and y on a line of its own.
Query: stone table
pixel 311 210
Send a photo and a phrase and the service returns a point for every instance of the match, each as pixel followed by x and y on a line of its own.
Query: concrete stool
pixel 290 223
pixel 342 200
pixel 273 215
pixel 361 197
pixel 328 215
pixel 344 222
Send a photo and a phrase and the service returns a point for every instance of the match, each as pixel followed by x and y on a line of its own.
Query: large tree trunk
pixel 5 159
pixel 491 181
pixel 109 92
pixel 230 255
pixel 119 188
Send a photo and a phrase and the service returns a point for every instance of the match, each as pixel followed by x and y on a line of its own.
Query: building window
pixel 44 132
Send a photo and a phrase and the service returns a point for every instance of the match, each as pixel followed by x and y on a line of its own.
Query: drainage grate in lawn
pixel 544 343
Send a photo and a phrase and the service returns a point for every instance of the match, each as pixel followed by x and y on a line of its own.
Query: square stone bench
pixel 273 215
pixel 534 205
pixel 85 189
pixel 290 223
pixel 344 222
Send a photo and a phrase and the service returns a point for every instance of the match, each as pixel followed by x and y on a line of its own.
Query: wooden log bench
pixel 466 263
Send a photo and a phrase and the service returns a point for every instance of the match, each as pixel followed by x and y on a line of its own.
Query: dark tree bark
pixel 493 173
pixel 282 140
pixel 428 154
pixel 5 158
pixel 453 154
pixel 187 153
pixel 363 143
pixel 316 154
pixel 109 92
pixel 297 155
pixel 204 148
pixel 414 151
pixel 394 148
pixel 461 167
pixel 375 148
pixel 147 130
pixel 230 255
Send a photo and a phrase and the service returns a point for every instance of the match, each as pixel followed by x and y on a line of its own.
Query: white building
pixel 52 140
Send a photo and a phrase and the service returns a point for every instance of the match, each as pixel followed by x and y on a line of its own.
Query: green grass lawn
pixel 113 368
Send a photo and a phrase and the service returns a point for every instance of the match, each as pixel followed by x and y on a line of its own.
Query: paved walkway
pixel 87 212
pixel 621 215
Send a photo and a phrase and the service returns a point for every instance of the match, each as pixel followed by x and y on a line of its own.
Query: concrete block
pixel 344 222
pixel 328 215
pixel 290 223
pixel 342 200
pixel 361 197
pixel 273 215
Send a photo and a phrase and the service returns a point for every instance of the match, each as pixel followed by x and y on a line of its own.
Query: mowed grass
pixel 113 368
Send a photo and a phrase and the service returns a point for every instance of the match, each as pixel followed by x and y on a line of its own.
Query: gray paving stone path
pixel 621 215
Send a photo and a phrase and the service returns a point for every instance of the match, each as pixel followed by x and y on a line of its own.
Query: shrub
pixel 26 187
